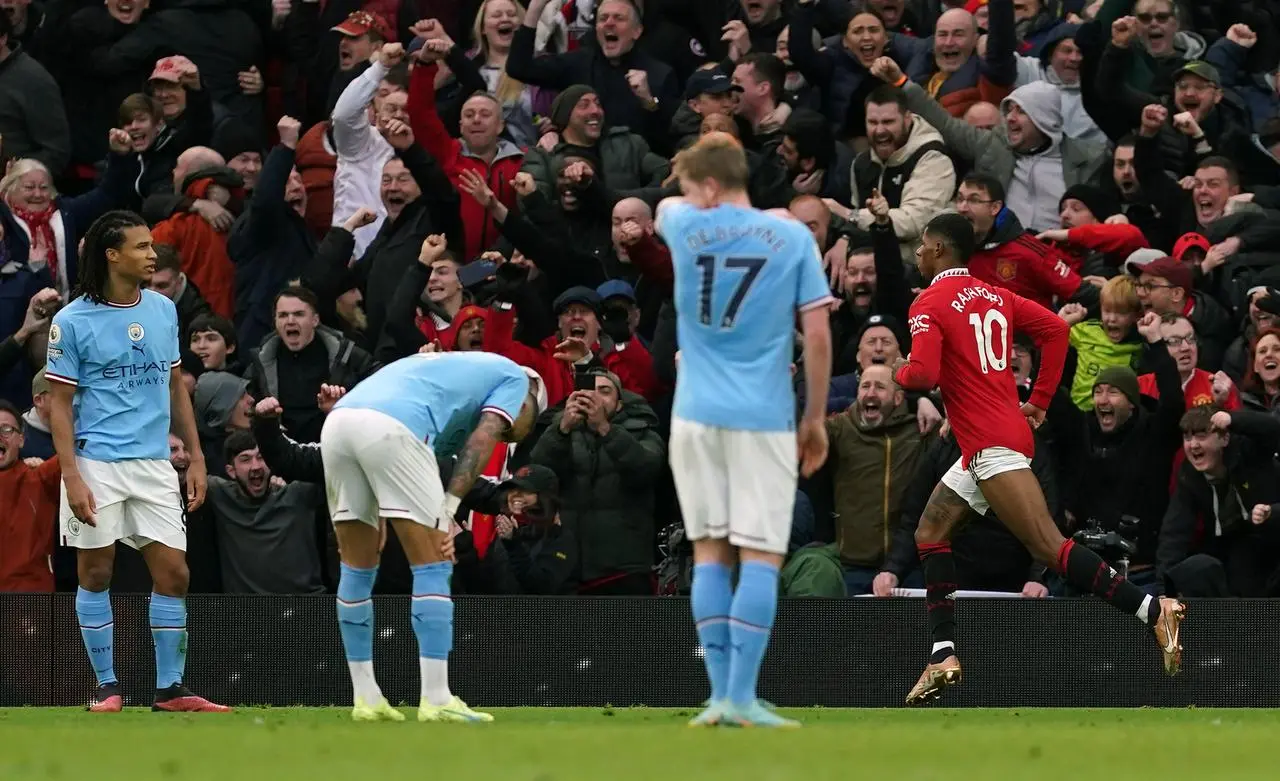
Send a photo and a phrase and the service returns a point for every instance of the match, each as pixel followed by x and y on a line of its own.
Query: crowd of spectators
pixel 336 184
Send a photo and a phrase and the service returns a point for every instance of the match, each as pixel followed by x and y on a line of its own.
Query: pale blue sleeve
pixel 508 395
pixel 171 313
pixel 62 363
pixel 811 284
pixel 671 219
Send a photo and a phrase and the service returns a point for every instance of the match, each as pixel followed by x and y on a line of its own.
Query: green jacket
pixel 606 487
pixel 630 169
pixel 813 571
pixel 872 467
pixel 1094 352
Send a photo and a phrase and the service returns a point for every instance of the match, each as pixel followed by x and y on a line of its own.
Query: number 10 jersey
pixel 962 341
pixel 740 277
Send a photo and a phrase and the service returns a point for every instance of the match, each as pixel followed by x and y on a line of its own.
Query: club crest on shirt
pixel 73 527
pixel 1006 269
pixel 135 332
pixel 1199 400
pixel 55 333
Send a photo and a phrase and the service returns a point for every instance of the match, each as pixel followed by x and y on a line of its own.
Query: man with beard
pixel 1010 258
pixel 906 163
pixel 1029 155
pixel 874 442
pixel 270 243
pixel 1202 121
pixel 1166 286
pixel 1231 476
pixel 626 166
pixel 638 91
pixel 1123 450
pixel 266 529
pixel 301 356
pixel 816 163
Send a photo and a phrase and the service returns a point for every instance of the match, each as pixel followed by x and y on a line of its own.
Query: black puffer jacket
pixel 607 486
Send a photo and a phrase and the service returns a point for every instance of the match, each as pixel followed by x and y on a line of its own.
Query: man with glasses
pixel 30 495
pixel 1165 286
pixel 1009 257
pixel 1198 386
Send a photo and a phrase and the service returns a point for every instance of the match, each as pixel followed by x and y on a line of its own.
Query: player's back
pixel 740 276
pixel 439 396
pixel 977 321
pixel 120 359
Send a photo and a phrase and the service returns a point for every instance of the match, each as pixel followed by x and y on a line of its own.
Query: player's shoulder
pixel 152 301
pixel 671 213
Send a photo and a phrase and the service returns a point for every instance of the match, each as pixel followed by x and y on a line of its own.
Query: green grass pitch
pixel 545 744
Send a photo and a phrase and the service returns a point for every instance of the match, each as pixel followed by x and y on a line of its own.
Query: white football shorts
pixel 735 484
pixel 374 467
pixel 985 464
pixel 138 504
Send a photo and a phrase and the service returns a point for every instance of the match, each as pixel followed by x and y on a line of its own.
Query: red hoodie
pixel 481 230
pixel 1116 242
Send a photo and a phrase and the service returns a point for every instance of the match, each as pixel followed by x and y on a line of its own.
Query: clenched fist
pixel 523 184
pixel 391 54
pixel 363 216
pixel 397 133
pixel 1122 31
pixel 289 130
pixel 1153 118
pixel 885 69
pixel 1242 35
pixel 433 247
pixel 638 81
pixel 119 141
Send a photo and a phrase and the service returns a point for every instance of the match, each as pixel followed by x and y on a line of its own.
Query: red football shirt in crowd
pixel 961 339
pixel 1197 390
pixel 1028 267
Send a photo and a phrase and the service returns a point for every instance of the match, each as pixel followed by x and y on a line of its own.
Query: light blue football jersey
pixel 740 277
pixel 120 359
pixel 439 396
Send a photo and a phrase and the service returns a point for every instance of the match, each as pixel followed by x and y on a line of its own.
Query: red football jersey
pixel 961 339
pixel 1029 268
pixel 1197 390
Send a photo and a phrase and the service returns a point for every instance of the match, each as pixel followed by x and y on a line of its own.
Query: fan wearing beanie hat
pixel 1115 395
pixel 1093 246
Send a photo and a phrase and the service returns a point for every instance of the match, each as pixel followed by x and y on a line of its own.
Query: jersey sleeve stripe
pixel 824 301
pixel 175 364
pixel 499 412
pixel 59 378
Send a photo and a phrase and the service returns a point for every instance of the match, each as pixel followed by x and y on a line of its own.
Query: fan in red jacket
pixel 1090 245
pixel 1011 258
pixel 481 149
pixel 578 341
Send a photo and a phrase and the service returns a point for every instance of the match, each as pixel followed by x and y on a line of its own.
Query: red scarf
pixel 41 227
pixel 483 530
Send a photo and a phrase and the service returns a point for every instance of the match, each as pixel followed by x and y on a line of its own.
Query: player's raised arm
pixel 1050 334
pixel 183 422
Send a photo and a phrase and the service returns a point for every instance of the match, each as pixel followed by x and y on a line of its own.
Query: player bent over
pixel 116 386
pixel 380 446
pixel 961 335
pixel 741 275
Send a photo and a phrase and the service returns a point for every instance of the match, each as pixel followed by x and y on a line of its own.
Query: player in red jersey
pixel 962 333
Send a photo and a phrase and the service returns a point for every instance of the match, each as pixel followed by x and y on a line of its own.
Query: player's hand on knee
pixel 1034 590
pixel 81 500
pixel 884 584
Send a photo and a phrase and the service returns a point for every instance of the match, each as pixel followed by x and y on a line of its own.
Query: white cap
pixel 1141 257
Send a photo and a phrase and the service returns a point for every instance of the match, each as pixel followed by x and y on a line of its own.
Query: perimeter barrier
pixel 623 651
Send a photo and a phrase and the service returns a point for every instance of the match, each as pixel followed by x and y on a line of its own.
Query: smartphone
pixel 584 381
pixel 476 272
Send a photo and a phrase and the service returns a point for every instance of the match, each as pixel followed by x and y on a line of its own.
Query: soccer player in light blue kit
pixel 116 387
pixel 381 446
pixel 741 275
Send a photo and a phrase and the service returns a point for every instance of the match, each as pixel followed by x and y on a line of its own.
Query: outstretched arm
pixel 1050 334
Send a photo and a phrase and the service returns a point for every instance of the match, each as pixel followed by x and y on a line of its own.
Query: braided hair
pixel 106 232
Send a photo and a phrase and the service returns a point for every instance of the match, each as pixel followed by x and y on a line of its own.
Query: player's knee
pixel 172 579
pixel 94 576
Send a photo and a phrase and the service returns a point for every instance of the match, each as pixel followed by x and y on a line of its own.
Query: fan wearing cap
pixel 175 84
pixel 708 91
pixel 636 91
pixel 1093 246
pixel 367 102
pixel 1166 286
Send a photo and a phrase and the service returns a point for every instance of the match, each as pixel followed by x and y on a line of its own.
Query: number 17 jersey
pixel 961 341
pixel 740 277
